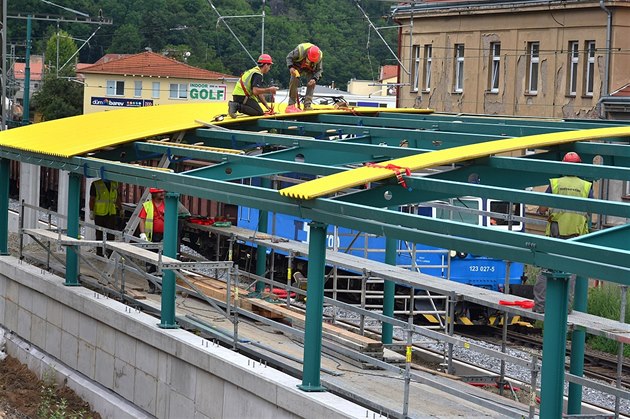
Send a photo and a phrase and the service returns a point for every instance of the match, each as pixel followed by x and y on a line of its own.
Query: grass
pixel 53 406
pixel 606 302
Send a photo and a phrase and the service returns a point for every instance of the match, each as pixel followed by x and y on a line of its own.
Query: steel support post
pixel 167 319
pixel 578 339
pixel 4 206
pixel 554 344
pixel 389 289
pixel 314 308
pixel 261 251
pixel 74 201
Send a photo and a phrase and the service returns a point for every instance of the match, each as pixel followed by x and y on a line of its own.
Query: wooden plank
pixel 331 330
pixel 140 253
pixel 61 238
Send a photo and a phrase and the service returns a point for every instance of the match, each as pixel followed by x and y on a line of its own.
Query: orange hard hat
pixel 313 54
pixel 265 59
pixel 155 190
pixel 572 157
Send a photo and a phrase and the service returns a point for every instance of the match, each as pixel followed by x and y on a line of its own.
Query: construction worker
pixel 304 61
pixel 249 93
pixel 105 208
pixel 561 223
pixel 152 224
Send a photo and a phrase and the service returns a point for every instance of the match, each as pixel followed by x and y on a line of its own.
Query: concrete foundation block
pixel 104 371
pixel 163 400
pixel 105 338
pixel 209 389
pixel 40 302
pixel 183 378
pixel 124 378
pixel 53 314
pixel 3 307
pixel 11 315
pixel 125 348
pixel 181 406
pixel 25 298
pixel 12 291
pixel 70 321
pixel 87 330
pixel 53 340
pixel 86 359
pixel 147 359
pixel 38 331
pixel 69 349
pixel 24 323
pixel 145 392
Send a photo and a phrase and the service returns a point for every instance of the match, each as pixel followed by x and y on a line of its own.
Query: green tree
pixel 61 53
pixel 126 40
pixel 58 98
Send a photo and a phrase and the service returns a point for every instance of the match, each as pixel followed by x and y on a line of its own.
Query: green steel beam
pixel 566 125
pixel 261 251
pixel 431 140
pixel 487 129
pixel 389 291
pixel 578 340
pixel 72 258
pixel 422 189
pixel 583 259
pixel 616 237
pixel 314 308
pixel 167 315
pixel 233 166
pixel 4 206
pixel 554 345
pixel 352 145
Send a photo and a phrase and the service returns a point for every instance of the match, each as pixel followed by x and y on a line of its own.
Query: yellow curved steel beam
pixel 339 181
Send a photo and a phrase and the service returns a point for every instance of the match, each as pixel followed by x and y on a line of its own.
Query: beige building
pixel 386 85
pixel 149 79
pixel 534 58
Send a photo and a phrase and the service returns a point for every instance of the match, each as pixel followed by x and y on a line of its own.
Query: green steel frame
pixel 326 144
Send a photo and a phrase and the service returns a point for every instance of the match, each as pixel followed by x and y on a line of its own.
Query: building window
pixel 115 88
pixel 533 61
pixel 155 93
pixel 590 68
pixel 459 68
pixel 137 88
pixel 178 91
pixel 495 65
pixel 426 71
pixel 415 68
pixel 574 58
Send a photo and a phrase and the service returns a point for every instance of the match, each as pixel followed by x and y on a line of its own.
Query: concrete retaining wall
pixel 166 373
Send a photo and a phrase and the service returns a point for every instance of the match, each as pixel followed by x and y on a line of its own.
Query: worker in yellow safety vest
pixel 563 223
pixel 105 205
pixel 304 61
pixel 249 93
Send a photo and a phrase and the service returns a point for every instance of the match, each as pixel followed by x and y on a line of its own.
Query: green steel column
pixel 4 206
pixel 74 201
pixel 314 308
pixel 554 345
pixel 167 320
pixel 580 303
pixel 389 289
pixel 261 251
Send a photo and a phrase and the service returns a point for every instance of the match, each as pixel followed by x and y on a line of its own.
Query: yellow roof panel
pixel 339 181
pixel 81 134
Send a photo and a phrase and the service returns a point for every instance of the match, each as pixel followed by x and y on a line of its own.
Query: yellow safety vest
pixel 570 223
pixel 244 85
pixel 148 222
pixel 105 199
pixel 302 48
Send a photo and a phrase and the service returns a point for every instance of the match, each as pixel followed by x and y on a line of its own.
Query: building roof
pixel 37 69
pixel 150 64
pixel 389 72
pixel 622 92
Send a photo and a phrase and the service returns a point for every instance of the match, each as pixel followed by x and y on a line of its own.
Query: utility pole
pixel 27 76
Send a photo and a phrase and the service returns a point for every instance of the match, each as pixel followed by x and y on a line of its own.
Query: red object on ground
pixel 281 293
pixel 520 303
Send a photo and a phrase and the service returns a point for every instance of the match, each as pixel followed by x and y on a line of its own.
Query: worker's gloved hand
pixel 312 82
pixel 294 72
pixel 143 236
pixel 91 215
pixel 273 90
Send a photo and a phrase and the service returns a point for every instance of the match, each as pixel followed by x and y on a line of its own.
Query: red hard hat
pixel 265 59
pixel 572 157
pixel 313 54
pixel 155 190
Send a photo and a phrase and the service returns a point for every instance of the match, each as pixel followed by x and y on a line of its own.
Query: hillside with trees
pixel 177 27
